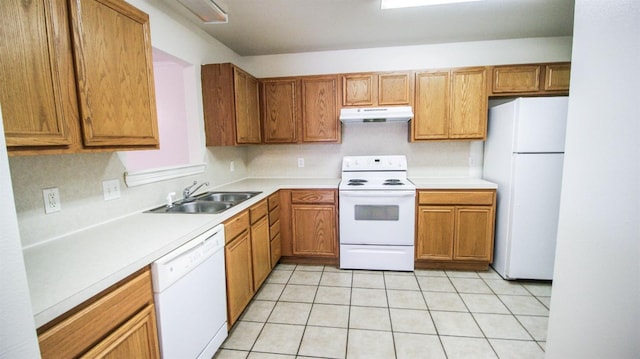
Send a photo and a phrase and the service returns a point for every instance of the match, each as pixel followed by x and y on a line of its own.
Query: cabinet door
pixel 279 111
pixel 435 232
pixel 314 230
pixel 394 89
pixel 357 90
pixel 238 264
pixel 431 118
pixel 474 233
pixel 247 107
pixel 469 103
pixel 134 339
pixel 557 77
pixel 112 48
pixel 33 53
pixel 516 79
pixel 260 251
pixel 320 121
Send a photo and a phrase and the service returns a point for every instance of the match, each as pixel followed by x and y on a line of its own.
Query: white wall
pixel 459 54
pixel 595 307
pixel 17 327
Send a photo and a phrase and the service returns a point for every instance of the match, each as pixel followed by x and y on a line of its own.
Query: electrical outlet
pixel 111 189
pixel 51 197
pixel 300 162
pixel 232 166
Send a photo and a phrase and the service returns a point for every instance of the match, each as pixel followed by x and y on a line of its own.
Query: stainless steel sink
pixel 209 202
pixel 235 197
pixel 200 207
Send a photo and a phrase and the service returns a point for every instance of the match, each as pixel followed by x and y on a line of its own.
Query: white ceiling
pixel 260 27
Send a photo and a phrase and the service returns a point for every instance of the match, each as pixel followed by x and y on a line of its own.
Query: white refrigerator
pixel 524 154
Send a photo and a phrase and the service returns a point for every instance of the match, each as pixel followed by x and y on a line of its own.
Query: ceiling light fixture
pixel 395 4
pixel 206 10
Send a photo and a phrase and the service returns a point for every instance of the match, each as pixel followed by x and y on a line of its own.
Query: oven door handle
pixel 378 194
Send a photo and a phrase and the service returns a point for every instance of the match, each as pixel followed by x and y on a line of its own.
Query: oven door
pixel 377 217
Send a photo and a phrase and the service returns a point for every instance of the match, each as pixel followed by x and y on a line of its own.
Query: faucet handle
pixel 170 199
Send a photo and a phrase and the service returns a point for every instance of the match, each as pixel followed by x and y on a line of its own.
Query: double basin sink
pixel 209 202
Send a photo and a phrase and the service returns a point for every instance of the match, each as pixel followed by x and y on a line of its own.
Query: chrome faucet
pixel 188 192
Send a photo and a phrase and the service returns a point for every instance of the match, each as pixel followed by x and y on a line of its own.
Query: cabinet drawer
pixel 258 211
pixel 274 201
pixel 274 216
pixel 236 225
pixel 76 333
pixel 456 197
pixel 274 229
pixel 313 196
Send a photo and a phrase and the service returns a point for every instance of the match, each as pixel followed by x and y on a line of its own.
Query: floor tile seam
pixel 514 317
pixel 527 329
pixel 511 311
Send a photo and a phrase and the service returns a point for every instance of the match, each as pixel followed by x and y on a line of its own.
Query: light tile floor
pixel 305 311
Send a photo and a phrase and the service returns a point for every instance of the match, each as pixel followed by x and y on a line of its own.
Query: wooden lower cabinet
pixel 118 323
pixel 260 245
pixel 239 272
pixel 274 228
pixel 309 226
pixel 238 265
pixel 247 257
pixel 455 229
pixel 134 339
pixel 314 227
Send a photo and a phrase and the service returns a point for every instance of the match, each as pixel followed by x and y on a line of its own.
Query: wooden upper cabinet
pixel 280 110
pixel 531 79
pixel 376 89
pixel 320 114
pixel 230 99
pixel 557 77
pixel 469 103
pixel 76 76
pixel 114 69
pixel 450 104
pixel 431 110
pixel 514 79
pixel 394 89
pixel 247 107
pixel 357 89
pixel 35 88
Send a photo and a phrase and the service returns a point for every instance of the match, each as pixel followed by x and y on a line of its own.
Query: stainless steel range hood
pixel 376 114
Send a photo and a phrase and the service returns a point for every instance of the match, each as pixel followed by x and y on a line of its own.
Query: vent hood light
pixel 376 114
pixel 395 4
pixel 206 10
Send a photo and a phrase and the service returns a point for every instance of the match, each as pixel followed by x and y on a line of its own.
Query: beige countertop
pixel 452 183
pixel 64 272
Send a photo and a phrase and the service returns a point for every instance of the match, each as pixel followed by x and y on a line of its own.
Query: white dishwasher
pixel 190 297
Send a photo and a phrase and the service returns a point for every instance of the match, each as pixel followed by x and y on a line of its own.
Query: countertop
pixel 452 183
pixel 64 272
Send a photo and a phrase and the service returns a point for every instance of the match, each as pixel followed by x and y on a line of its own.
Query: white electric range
pixel 377 214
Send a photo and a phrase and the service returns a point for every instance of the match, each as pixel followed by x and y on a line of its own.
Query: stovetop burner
pixel 375 173
pixel 393 182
